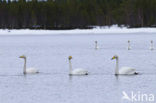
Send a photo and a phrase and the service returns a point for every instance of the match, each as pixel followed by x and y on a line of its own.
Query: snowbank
pixel 97 30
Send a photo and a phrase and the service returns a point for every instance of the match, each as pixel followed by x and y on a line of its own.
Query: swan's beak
pixel 70 57
pixel 113 58
pixel 22 56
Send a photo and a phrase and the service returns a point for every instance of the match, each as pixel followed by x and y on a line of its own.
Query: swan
pixel 28 70
pixel 96 45
pixel 123 70
pixel 78 71
pixel 151 47
pixel 129 46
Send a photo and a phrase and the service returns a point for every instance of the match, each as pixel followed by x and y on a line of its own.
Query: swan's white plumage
pixel 32 70
pixel 129 46
pixel 96 45
pixel 123 70
pixel 79 71
pixel 151 46
pixel 28 70
pixel 127 70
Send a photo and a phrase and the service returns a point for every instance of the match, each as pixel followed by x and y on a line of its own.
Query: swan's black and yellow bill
pixel 22 56
pixel 113 57
pixel 70 57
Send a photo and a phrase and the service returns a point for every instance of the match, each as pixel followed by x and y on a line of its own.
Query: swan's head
pixel 128 41
pixel 23 56
pixel 114 57
pixel 70 57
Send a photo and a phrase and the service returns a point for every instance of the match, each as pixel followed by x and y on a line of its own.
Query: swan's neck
pixel 117 66
pixel 129 46
pixel 96 46
pixel 151 45
pixel 70 67
pixel 24 69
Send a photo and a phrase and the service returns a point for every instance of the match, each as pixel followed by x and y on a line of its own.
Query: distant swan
pixel 28 70
pixel 123 70
pixel 76 71
pixel 96 45
pixel 129 46
pixel 151 47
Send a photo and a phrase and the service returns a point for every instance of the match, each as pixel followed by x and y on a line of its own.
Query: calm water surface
pixel 49 54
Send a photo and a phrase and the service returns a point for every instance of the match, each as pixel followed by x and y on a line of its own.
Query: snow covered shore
pixel 97 30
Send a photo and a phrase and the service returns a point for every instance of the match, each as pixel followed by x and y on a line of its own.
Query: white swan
pixel 129 46
pixel 96 45
pixel 78 71
pixel 151 47
pixel 28 70
pixel 123 70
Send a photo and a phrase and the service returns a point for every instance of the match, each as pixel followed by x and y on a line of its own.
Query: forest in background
pixel 70 14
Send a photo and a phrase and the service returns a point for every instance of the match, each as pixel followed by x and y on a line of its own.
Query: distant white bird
pixel 151 46
pixel 129 46
pixel 123 70
pixel 28 70
pixel 78 71
pixel 96 45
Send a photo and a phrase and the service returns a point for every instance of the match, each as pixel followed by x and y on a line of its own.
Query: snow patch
pixel 95 30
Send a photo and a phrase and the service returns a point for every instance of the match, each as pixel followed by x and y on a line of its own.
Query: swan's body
pixel 31 70
pixel 127 70
pixel 151 47
pixel 129 46
pixel 96 45
pixel 78 71
pixel 123 70
pixel 28 70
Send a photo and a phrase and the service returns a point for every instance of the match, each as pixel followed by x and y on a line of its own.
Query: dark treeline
pixel 68 14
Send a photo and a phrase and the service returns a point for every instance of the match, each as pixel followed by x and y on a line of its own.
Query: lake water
pixel 49 54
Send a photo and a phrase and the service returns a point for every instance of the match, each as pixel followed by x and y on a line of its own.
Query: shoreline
pixel 96 30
